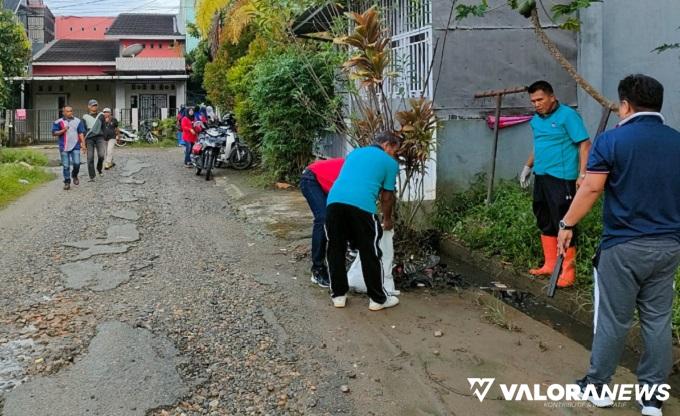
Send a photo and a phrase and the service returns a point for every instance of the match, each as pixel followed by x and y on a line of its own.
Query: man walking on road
pixel 110 130
pixel 317 180
pixel 71 136
pixel 636 165
pixel 558 159
pixel 94 138
pixel 351 218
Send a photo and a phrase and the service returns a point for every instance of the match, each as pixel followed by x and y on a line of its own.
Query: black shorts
pixel 552 199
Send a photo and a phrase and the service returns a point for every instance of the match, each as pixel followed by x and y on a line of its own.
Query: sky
pixel 110 7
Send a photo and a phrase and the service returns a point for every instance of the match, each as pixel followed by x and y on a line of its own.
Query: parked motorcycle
pixel 145 133
pixel 126 136
pixel 234 154
pixel 205 152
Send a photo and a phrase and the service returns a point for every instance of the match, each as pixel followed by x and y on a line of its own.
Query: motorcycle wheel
pixel 241 158
pixel 197 163
pixel 208 161
pixel 120 142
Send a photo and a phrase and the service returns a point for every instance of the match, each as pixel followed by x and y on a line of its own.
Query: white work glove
pixel 525 177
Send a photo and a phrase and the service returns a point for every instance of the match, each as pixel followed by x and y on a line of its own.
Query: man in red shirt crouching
pixel 317 180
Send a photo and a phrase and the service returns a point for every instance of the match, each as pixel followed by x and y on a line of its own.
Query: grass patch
pixel 29 156
pixel 497 314
pixel 507 229
pixel 11 174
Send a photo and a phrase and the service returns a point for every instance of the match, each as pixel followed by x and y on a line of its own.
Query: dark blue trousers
pixel 316 198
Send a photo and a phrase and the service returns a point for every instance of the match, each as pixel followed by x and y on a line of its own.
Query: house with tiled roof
pixel 137 68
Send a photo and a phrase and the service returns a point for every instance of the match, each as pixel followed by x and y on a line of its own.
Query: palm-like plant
pixel 367 68
pixel 418 125
pixel 226 20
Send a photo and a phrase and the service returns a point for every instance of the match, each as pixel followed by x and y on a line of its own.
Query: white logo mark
pixel 484 386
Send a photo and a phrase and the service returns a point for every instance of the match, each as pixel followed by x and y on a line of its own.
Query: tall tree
pixel 16 52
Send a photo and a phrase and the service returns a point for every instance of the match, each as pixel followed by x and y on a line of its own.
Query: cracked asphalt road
pixel 214 316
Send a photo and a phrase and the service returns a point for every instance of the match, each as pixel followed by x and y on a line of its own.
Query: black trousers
pixel 99 144
pixel 552 199
pixel 346 223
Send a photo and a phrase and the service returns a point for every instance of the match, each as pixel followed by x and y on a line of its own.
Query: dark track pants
pixel 638 274
pixel 99 144
pixel 552 199
pixel 346 223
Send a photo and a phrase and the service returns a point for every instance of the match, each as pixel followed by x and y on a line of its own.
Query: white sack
pixel 356 277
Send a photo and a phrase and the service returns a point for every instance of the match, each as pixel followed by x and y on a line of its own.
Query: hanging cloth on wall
pixel 507 121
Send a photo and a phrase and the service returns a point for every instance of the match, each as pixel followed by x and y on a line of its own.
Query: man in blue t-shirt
pixel 558 159
pixel 351 217
pixel 636 165
pixel 70 132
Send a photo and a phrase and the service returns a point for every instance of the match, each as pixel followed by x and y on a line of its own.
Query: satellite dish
pixel 132 50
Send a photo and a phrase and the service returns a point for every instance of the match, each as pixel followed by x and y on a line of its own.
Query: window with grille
pixel 410 25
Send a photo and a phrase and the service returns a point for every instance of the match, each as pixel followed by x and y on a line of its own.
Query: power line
pixel 151 4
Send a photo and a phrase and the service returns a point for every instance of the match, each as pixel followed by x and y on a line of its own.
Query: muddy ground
pixel 154 292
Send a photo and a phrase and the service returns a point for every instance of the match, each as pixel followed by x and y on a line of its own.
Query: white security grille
pixel 410 25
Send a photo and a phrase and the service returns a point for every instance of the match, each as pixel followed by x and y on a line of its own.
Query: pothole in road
pixel 132 181
pixel 125 372
pixel 99 250
pixel 89 275
pixel 126 214
pixel 133 166
pixel 14 357
pixel 41 339
pixel 116 234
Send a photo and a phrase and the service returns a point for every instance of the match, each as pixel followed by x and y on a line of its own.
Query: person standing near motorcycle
pixel 188 135
pixel 110 130
pixel 94 138
pixel 317 180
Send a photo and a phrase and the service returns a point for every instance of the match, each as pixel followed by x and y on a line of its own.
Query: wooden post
pixel 494 150
pixel 496 131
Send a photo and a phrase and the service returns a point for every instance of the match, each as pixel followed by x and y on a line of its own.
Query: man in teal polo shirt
pixel 351 217
pixel 558 159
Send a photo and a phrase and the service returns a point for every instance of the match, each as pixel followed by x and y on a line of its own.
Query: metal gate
pixel 29 127
pixel 150 105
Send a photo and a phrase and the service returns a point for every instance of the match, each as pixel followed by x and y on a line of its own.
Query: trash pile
pixel 417 264
pixel 516 298
pixel 429 272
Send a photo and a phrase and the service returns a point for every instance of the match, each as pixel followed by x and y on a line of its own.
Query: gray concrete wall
pixel 617 40
pixel 499 50
pixel 464 149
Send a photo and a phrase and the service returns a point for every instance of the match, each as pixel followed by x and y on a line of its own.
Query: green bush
pixel 240 82
pixel 29 156
pixel 167 128
pixel 507 228
pixel 291 107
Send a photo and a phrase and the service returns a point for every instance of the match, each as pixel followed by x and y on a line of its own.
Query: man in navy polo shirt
pixel 559 156
pixel 636 165
pixel 351 218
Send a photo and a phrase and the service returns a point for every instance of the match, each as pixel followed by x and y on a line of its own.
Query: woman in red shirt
pixel 317 179
pixel 188 135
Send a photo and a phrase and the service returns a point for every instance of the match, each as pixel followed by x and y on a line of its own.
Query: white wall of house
pixel 45 94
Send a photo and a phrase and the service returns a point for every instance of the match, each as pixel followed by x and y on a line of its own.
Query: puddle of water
pixel 12 356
